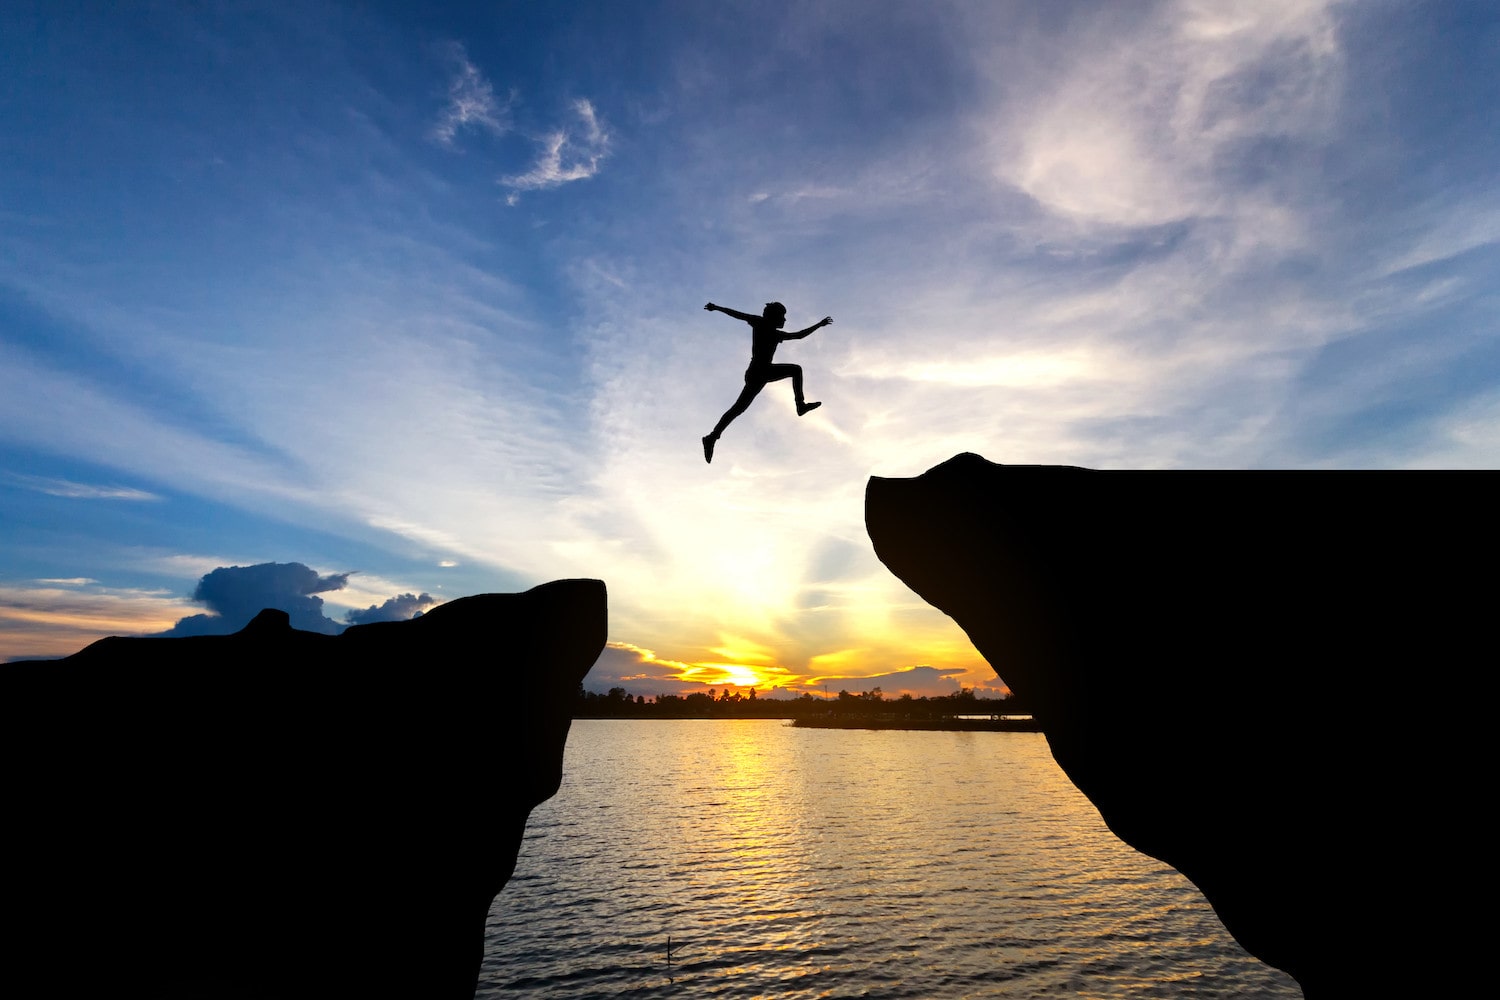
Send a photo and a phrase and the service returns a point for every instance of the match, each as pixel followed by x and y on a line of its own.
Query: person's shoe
pixel 708 447
pixel 805 408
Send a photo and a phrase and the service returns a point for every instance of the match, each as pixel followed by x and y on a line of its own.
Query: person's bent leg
pixel 794 372
pixel 775 373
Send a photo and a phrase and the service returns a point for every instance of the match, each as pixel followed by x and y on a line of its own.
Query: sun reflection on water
pixel 807 863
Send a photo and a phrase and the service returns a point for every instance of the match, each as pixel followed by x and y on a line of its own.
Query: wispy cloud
pixel 1134 127
pixel 435 341
pixel 567 155
pixel 74 415
pixel 1452 232
pixel 1467 438
pixel 51 621
pixel 471 102
pixel 81 491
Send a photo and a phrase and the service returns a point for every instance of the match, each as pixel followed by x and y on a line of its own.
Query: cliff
pixel 279 813
pixel 1216 659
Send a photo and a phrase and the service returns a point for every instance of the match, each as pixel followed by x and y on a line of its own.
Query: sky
pixel 358 308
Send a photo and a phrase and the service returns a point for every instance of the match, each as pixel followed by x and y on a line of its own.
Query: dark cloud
pixel 919 682
pixel 628 669
pixel 236 594
pixel 396 609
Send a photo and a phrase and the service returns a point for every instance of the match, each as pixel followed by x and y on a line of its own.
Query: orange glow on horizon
pixel 55 621
pixel 948 667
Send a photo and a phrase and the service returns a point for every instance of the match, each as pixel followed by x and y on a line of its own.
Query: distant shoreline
pixel 868 710
pixel 1020 724
pixel 994 725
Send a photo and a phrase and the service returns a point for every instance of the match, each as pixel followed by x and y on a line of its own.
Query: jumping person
pixel 765 338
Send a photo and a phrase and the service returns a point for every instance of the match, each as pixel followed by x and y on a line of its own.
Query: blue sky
pixel 414 293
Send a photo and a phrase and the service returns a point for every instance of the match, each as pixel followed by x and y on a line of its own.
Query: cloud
pixel 1140 122
pixel 81 491
pixel 1467 438
pixel 1453 233
pixel 58 410
pixel 471 103
pixel 436 339
pixel 396 609
pixel 236 594
pixel 51 621
pixel 59 616
pixel 566 155
pixel 639 671
pixel 919 682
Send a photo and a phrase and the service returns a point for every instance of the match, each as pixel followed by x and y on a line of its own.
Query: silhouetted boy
pixel 766 337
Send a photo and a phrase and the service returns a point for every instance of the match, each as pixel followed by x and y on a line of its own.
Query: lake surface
pixel 841 863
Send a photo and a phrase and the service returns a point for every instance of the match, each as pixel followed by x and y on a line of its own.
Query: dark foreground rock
pixel 279 813
pixel 1264 679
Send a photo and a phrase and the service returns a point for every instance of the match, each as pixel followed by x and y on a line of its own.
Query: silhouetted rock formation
pixel 279 813
pixel 1256 677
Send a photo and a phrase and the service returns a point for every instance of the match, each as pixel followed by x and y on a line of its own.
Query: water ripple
pixel 797 863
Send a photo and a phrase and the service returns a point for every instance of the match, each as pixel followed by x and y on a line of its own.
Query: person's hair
pixel 774 307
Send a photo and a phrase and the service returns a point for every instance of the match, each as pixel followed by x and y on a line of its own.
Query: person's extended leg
pixel 752 387
pixel 793 372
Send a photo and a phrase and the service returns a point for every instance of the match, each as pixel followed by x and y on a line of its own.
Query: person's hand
pixel 826 321
pixel 710 307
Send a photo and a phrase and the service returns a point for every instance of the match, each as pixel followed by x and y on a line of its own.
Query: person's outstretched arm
pixel 731 312
pixel 825 321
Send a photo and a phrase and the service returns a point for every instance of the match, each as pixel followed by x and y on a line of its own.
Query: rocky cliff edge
pixel 278 813
pixel 1264 679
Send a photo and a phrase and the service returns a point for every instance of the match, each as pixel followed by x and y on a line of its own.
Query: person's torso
pixel 764 341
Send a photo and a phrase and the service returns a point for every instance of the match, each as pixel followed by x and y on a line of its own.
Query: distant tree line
pixel 727 704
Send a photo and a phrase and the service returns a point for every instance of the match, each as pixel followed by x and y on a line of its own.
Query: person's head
pixel 776 312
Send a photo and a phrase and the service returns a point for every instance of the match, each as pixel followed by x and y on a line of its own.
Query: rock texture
pixel 279 813
pixel 1256 677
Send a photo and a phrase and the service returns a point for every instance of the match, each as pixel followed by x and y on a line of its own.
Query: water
pixel 801 863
